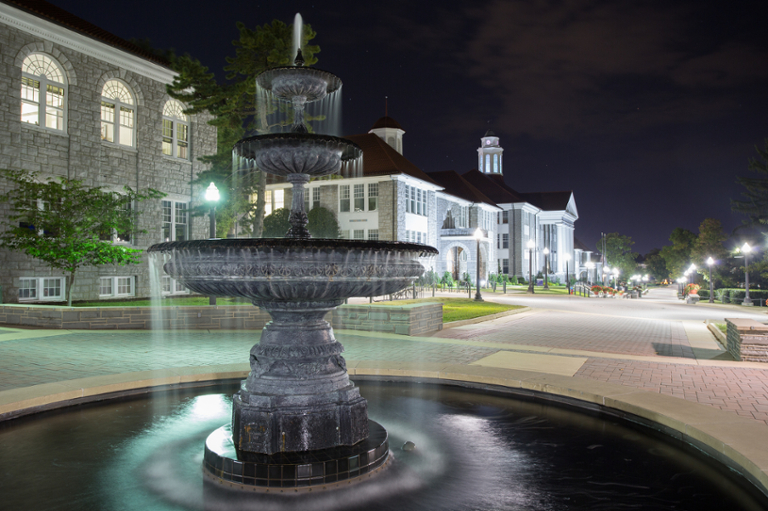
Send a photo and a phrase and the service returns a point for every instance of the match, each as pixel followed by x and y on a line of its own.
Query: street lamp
pixel 692 273
pixel 212 197
pixel 590 266
pixel 710 262
pixel 606 272
pixel 530 246
pixel 567 258
pixel 746 249
pixel 478 235
pixel 616 278
pixel 546 267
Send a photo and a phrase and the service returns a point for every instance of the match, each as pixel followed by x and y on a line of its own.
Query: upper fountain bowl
pixel 272 270
pixel 288 82
pixel 282 154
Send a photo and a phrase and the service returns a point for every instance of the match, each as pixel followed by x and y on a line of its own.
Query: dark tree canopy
pixel 277 224
pixel 755 202
pixel 619 254
pixel 322 223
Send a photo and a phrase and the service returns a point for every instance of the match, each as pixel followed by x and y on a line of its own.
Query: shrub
pixel 704 294
pixel 515 280
pixel 322 223
pixel 276 225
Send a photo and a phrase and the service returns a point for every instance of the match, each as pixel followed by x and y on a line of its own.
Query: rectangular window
pixel 359 198
pixel 279 196
pixel 413 200
pixel 373 234
pixel 418 237
pixel 126 126
pixel 105 285
pixel 315 197
pixel 182 140
pixel 418 202
pixel 373 197
pixel 167 285
pixel 168 137
pixel 107 121
pixel 505 266
pixel 44 289
pixel 359 234
pixel 345 235
pixel 54 104
pixel 344 198
pixel 118 286
pixel 267 202
pixel 505 217
pixel 30 100
pixel 175 221
pixel 307 193
pixel 505 240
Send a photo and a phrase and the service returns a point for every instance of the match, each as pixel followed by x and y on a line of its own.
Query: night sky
pixel 647 110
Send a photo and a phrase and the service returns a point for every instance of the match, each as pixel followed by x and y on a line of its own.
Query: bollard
pixel 414 290
pixel 505 287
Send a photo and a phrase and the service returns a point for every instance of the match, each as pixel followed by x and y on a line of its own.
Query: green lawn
pixel 457 309
pixel 167 302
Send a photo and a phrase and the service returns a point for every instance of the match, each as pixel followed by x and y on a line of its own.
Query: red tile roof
pixel 456 185
pixel 379 159
pixel 59 16
pixel 387 122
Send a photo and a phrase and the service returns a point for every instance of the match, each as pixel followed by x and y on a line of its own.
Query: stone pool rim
pixel 734 441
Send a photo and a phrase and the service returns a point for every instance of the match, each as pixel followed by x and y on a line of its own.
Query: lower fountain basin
pixel 293 270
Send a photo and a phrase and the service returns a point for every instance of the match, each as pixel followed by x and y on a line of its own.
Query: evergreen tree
pixel 237 112
pixel 755 202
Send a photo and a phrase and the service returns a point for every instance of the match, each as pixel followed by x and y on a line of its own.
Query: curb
pixel 490 317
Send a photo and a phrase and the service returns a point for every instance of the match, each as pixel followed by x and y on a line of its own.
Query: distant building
pixel 395 200
pixel 82 103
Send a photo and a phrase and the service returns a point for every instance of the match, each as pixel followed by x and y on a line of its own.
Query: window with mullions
pixel 175 221
pixel 42 289
pixel 117 114
pixel 110 287
pixel 373 234
pixel 359 198
pixel 43 92
pixel 359 234
pixel 173 287
pixel 373 197
pixel 344 198
pixel 505 240
pixel 175 130
pixel 315 197
pixel 118 236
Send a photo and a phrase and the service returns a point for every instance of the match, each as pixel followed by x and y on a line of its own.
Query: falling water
pixel 298 31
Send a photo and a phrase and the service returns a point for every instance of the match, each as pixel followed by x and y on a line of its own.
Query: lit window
pixel 373 234
pixel 117 114
pixel 359 234
pixel 42 81
pixel 307 193
pixel 315 197
pixel 44 289
pixel 268 202
pixel 175 130
pixel 175 221
pixel 279 197
pixel 344 198
pixel 359 198
pixel 373 197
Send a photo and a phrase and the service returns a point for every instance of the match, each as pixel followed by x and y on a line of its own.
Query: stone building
pixel 82 103
pixel 392 199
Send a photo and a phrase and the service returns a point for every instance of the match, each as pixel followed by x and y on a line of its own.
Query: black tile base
pixel 298 470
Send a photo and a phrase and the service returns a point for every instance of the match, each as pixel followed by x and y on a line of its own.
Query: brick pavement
pixel 587 332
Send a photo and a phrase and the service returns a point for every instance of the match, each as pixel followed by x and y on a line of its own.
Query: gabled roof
pixel 59 16
pixel 549 201
pixel 387 122
pixel 459 187
pixel 581 246
pixel 380 159
pixel 493 187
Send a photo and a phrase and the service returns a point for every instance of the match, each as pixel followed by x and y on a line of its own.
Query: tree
pixel 656 265
pixel 618 252
pixel 238 111
pixel 68 225
pixel 322 223
pixel 678 255
pixel 755 202
pixel 277 224
pixel 708 244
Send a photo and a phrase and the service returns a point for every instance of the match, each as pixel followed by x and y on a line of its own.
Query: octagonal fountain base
pixel 325 468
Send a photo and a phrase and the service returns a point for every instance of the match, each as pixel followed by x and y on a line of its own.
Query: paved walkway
pixel 656 344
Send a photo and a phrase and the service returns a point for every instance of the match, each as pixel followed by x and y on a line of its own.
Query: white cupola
pixel 390 131
pixel 489 154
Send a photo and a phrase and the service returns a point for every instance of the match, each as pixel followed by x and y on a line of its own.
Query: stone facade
pixel 747 340
pixel 78 151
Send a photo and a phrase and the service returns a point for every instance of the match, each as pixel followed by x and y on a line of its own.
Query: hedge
pixel 736 295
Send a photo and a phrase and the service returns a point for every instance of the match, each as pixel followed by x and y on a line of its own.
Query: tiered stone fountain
pixel 297 420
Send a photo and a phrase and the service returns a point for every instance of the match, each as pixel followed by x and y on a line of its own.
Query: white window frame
pixel 373 197
pixel 344 200
pixel 174 287
pixel 373 234
pixel 359 196
pixel 175 131
pixel 126 104
pixel 115 284
pixel 171 221
pixel 39 286
pixel 44 82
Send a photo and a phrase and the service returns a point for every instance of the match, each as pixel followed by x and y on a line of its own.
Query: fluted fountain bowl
pixel 271 270
pixel 298 153
pixel 290 81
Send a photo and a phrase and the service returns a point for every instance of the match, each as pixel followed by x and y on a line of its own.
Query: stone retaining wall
pixel 747 340
pixel 407 319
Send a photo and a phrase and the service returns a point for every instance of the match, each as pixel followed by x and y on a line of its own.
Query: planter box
pixel 747 340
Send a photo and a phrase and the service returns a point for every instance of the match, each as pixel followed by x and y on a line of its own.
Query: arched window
pixel 43 92
pixel 118 114
pixel 175 130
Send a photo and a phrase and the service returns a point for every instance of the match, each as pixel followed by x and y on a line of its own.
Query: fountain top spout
pixel 299 60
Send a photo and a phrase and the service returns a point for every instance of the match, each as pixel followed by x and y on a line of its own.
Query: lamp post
pixel 616 279
pixel 710 262
pixel 478 235
pixel 530 246
pixel 546 267
pixel 212 197
pixel 746 249
pixel 692 273
pixel 606 272
pixel 567 258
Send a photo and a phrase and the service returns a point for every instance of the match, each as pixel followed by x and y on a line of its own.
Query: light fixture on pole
pixel 616 272
pixel 546 267
pixel 606 272
pixel 212 197
pixel 478 236
pixel 530 246
pixel 567 258
pixel 746 249
pixel 710 262
pixel 692 273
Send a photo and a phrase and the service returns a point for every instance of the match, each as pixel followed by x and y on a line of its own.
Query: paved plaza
pixel 657 344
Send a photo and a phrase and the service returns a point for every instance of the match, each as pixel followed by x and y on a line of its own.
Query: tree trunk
pixel 70 285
